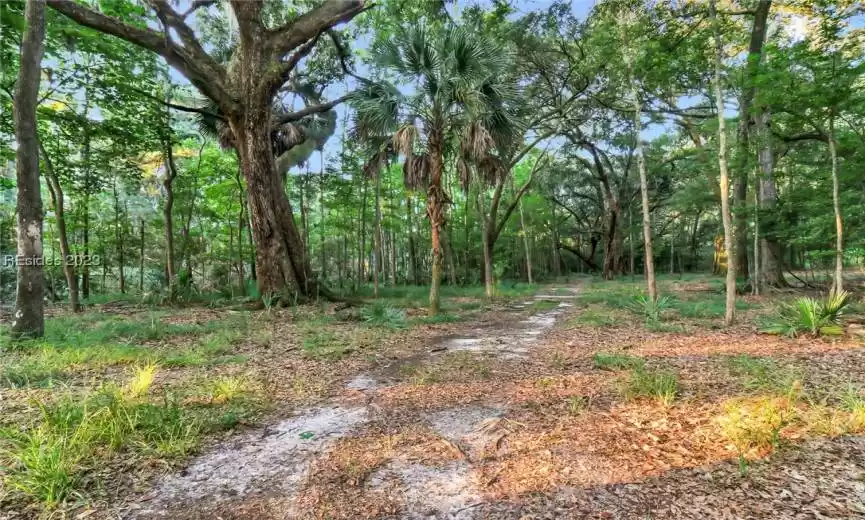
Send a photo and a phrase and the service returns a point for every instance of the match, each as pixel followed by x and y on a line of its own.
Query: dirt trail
pixel 275 460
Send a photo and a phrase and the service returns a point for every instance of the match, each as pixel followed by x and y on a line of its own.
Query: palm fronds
pixel 416 171
pixel 404 139
pixel 811 316
pixel 491 169
pixel 476 142
pixel 465 174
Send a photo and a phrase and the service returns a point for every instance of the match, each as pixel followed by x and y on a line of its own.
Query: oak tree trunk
pixel 29 319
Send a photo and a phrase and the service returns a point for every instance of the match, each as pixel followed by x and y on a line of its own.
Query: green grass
pixel 591 317
pixel 47 460
pixel 91 342
pixel 660 385
pixel 543 305
pixel 55 457
pixel 325 345
pixel 708 306
pixel 442 317
pixel 762 374
pixel 612 361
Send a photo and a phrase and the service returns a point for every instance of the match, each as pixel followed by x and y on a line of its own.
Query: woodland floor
pixel 557 403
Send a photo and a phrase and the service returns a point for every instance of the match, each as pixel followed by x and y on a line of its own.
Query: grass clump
pixel 595 318
pixel 810 316
pixel 228 388
pixel 660 385
pixel 612 361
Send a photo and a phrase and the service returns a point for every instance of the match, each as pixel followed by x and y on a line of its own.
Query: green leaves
pixel 810 316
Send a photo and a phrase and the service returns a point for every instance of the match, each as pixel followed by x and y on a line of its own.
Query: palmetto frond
pixel 404 139
pixel 491 169
pixel 416 172
pixel 465 174
pixel 476 142
pixel 377 108
pixel 376 163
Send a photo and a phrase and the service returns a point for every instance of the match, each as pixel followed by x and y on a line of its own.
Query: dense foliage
pixel 505 138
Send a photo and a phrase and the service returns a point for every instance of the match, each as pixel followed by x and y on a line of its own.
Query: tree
pixel 261 64
pixel 29 318
pixel 729 314
pixel 460 98
pixel 641 165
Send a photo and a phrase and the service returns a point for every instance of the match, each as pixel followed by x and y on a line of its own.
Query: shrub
pixel 810 316
pixel 651 310
pixel 753 426
pixel 380 314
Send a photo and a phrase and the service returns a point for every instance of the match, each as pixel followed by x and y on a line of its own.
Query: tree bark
pixel 167 213
pixel 29 319
pixel 436 200
pixel 241 219
pixel 746 118
pixel 730 313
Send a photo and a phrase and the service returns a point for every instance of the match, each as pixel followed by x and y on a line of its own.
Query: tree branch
pixel 308 111
pixel 308 25
pixel 201 70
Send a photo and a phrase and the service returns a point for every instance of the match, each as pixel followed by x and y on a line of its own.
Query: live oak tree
pixel 265 60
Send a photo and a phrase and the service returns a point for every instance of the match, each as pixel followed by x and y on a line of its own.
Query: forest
pixel 432 259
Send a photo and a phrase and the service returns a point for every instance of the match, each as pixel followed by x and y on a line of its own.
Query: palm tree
pixel 459 111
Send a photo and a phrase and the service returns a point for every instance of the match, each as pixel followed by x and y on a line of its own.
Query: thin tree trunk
pixel 730 314
pixel 85 266
pixel 758 278
pixel 644 194
pixel 361 265
pixel 240 221
pixel 55 190
pixel 168 215
pixel 526 246
pixel 837 278
pixel 118 233
pixel 376 252
pixel 412 248
pixel 141 259
pixel 29 320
